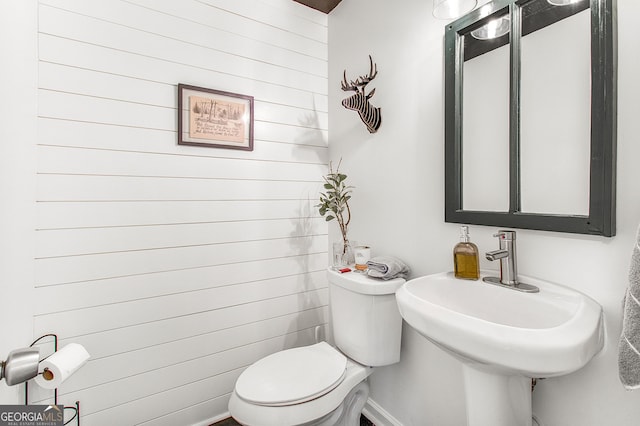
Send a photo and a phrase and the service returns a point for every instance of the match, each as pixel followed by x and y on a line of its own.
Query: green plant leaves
pixel 334 201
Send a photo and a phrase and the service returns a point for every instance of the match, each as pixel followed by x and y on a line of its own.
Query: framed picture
pixel 214 118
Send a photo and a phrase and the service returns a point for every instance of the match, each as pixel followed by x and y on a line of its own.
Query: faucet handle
pixel 505 234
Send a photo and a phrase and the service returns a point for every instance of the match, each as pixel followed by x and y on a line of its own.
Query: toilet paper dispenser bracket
pixel 76 408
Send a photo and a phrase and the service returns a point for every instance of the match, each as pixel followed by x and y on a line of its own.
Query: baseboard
pixel 378 415
pixel 374 412
pixel 213 420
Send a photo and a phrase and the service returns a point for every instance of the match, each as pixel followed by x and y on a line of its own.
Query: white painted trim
pixel 372 411
pixel 213 420
pixel 378 415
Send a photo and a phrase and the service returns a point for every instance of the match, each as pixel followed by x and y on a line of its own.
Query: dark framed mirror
pixel 530 116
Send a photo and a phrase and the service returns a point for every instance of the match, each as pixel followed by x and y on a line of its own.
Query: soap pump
pixel 465 257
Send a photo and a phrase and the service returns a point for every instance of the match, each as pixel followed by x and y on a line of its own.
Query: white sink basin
pixel 550 333
pixel 503 337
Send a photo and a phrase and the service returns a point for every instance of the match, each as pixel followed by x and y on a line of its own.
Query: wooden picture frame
pixel 213 118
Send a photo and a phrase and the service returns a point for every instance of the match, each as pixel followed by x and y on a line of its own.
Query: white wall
pixel 175 266
pixel 398 209
pixel 18 74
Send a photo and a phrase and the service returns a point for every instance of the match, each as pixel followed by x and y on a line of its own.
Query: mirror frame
pixel 602 182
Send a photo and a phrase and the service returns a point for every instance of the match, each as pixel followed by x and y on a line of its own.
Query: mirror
pixel 555 87
pixel 485 108
pixel 530 116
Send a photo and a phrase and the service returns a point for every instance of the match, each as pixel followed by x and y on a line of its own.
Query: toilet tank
pixel 367 325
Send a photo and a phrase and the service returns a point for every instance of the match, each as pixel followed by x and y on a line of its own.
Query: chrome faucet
pixel 506 253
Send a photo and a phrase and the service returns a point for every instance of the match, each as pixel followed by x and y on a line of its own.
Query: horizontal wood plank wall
pixel 176 266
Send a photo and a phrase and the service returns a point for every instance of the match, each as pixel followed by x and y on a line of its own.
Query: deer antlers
pixel 361 81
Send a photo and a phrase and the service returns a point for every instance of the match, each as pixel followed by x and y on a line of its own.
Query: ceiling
pixel 325 6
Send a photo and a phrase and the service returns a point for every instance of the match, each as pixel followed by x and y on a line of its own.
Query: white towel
pixel 387 267
pixel 629 347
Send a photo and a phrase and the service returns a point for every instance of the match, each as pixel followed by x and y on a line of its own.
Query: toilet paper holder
pixel 76 408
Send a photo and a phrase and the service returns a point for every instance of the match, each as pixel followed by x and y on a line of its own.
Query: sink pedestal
pixel 496 399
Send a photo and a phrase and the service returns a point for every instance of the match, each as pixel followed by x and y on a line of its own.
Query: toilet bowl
pixel 321 384
pixel 300 386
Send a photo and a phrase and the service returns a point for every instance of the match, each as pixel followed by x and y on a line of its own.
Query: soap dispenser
pixel 465 257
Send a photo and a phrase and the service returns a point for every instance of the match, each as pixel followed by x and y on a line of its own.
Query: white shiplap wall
pixel 176 266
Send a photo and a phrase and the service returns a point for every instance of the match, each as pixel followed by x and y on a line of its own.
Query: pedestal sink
pixel 503 337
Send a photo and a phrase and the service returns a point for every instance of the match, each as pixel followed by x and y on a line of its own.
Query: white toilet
pixel 320 384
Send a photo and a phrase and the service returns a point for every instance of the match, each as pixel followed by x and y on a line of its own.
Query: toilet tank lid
pixel 363 284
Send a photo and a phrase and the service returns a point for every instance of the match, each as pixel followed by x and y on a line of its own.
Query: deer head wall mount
pixel 359 101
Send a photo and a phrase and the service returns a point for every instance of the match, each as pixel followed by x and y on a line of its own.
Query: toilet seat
pixel 310 412
pixel 292 376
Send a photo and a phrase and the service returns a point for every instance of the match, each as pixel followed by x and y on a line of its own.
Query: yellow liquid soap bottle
pixel 465 257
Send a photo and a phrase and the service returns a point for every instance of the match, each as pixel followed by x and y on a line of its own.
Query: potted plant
pixel 334 205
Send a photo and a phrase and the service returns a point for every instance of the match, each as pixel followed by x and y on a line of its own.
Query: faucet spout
pixel 496 254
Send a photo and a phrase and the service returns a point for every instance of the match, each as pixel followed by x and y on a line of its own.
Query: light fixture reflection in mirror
pixel 562 2
pixel 452 9
pixel 493 29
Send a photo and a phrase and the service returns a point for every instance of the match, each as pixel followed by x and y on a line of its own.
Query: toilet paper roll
pixel 62 364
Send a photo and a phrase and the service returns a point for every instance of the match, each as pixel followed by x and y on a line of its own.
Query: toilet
pixel 321 384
